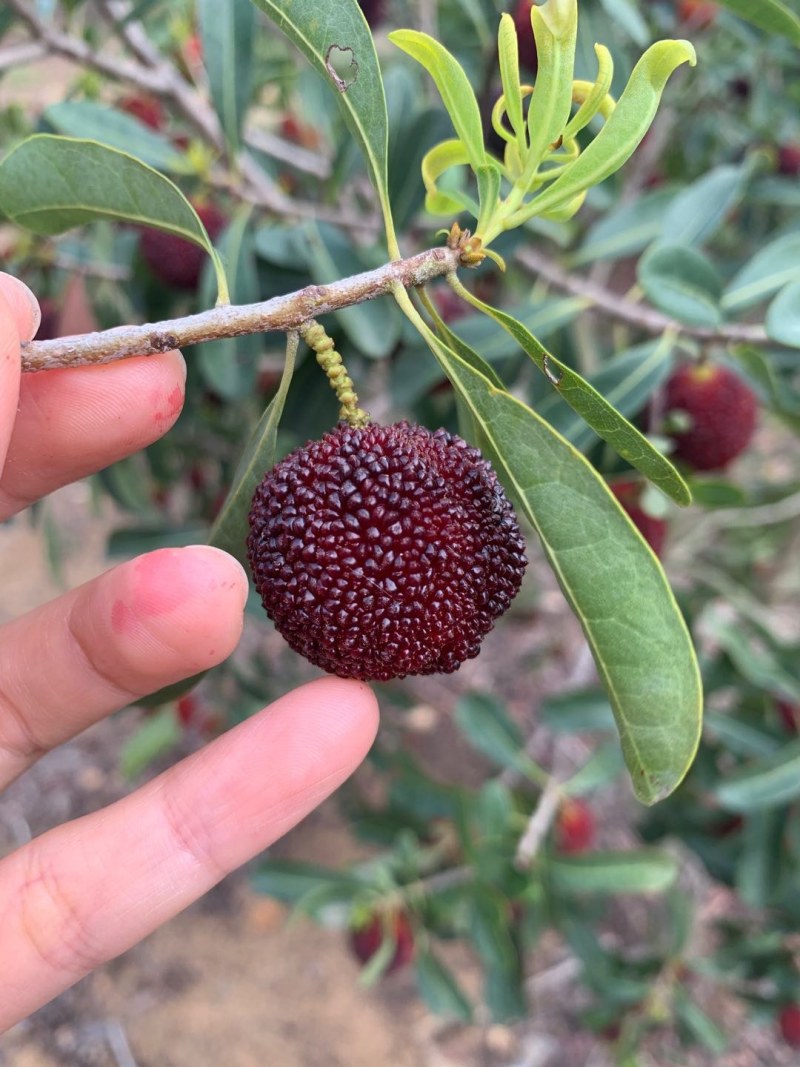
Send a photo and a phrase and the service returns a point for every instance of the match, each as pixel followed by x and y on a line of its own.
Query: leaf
pixel 49 184
pixel 624 129
pixel 602 767
pixel 626 15
pixel 645 871
pixel 555 30
pixel 627 230
pixel 683 283
pixel 439 988
pixel 584 710
pixel 698 211
pixel 774 16
pixel 156 735
pixel 324 30
pixel 771 268
pixel 768 783
pixel 88 119
pixel 593 408
pixel 454 88
pixel 374 325
pixel 504 990
pixel 610 577
pixel 228 34
pixel 486 724
pixel 229 531
pixel 783 316
pixel 290 880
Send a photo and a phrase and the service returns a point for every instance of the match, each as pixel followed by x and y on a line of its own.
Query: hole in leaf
pixel 341 65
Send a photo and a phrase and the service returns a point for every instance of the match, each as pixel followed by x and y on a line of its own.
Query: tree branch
pixel 281 313
pixel 644 318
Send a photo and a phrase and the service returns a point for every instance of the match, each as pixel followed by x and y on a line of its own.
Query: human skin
pixel 85 892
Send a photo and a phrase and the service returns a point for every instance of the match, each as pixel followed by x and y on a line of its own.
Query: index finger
pixel 19 320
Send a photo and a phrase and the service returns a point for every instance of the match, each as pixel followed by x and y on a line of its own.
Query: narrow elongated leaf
pixel 771 268
pixel 290 880
pixel 555 30
pixel 646 871
pixel 49 184
pixel 606 422
pixel 774 16
pixel 628 229
pixel 87 119
pixel 504 991
pixel 228 33
pixel 154 737
pixel 625 127
pixel 439 988
pixel 330 30
pixel 767 783
pixel 486 724
pixel 610 577
pixel 783 316
pixel 697 212
pixel 454 88
pixel 681 282
pixel 230 529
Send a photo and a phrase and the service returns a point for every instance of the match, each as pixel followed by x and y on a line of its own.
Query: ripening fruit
pixel 789 715
pixel 374 10
pixel 789 1024
pixel 789 160
pixel 628 492
pixel 146 109
pixel 174 261
pixel 723 411
pixel 385 551
pixel 528 56
pixel 575 826
pixel 699 14
pixel 366 940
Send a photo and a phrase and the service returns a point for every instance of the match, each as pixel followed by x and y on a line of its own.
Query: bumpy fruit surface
pixel 174 261
pixel 789 1024
pixel 652 529
pixel 385 551
pixel 575 827
pixel 723 411
pixel 367 940
pixel 528 56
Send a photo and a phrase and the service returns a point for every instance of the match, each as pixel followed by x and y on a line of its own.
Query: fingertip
pixel 23 305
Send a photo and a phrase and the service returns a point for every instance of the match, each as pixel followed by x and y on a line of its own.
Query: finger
pixel 160 618
pixel 76 421
pixel 19 319
pixel 84 893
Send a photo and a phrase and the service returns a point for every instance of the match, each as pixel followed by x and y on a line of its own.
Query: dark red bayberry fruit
pixel 146 109
pixel 789 160
pixel 723 411
pixel 374 10
pixel 575 827
pixel 174 261
pixel 698 14
pixel 653 530
pixel 385 551
pixel 789 715
pixel 789 1024
pixel 528 56
pixel 367 940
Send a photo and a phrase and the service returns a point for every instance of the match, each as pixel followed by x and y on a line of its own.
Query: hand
pixel 85 892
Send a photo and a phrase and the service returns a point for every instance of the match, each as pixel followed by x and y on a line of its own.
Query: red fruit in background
pixel 790 715
pixel 298 132
pixel 652 529
pixel 528 56
pixel 723 411
pixel 366 940
pixel 174 261
pixel 51 317
pixel 575 827
pixel 450 306
pixel 374 10
pixel 699 14
pixel 789 159
pixel 789 1024
pixel 146 109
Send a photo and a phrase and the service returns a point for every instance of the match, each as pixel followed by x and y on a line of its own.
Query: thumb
pixel 19 320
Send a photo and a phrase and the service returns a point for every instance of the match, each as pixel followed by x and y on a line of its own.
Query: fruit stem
pixel 329 359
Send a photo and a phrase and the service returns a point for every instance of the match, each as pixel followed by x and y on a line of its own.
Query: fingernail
pixel 13 289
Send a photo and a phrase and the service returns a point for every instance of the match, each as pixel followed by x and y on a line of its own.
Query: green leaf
pixel 327 30
pixel 602 767
pixel 774 16
pixel 610 577
pixel 683 283
pixel 49 184
pixel 454 88
pixel 627 16
pixel 624 129
pixel 155 736
pixel 698 211
pixel 771 268
pixel 228 34
pixel 768 783
pixel 487 725
pixel 439 988
pixel 508 55
pixel 230 529
pixel 289 880
pixel 504 991
pixel 374 325
pixel 783 316
pixel 87 119
pixel 702 1027
pixel 584 710
pixel 593 408
pixel 627 230
pixel 645 871
pixel 555 30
